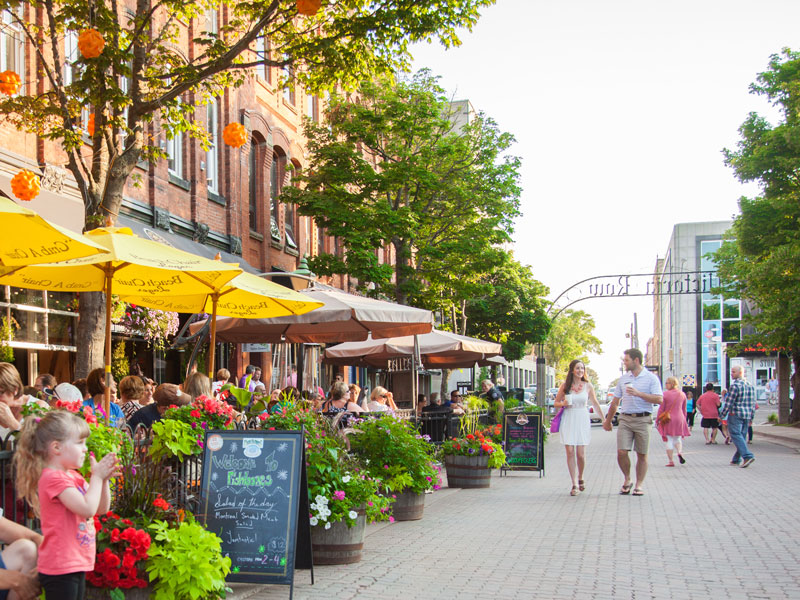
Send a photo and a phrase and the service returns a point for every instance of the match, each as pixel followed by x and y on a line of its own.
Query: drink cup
pixel 629 389
pixel 569 399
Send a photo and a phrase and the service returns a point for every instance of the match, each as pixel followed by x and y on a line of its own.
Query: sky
pixel 621 109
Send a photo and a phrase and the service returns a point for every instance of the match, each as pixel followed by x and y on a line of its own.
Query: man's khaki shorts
pixel 634 432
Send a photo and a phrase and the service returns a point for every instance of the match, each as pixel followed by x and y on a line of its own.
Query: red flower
pixel 196 414
pixel 470 436
pixel 161 503
pixel 115 535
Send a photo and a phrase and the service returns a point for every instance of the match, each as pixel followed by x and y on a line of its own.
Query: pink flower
pixel 391 519
pixel 339 495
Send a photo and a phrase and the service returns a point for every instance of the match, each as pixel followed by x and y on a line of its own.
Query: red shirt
pixel 708 405
pixel 69 540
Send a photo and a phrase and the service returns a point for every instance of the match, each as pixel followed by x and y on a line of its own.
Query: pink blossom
pixel 391 519
pixel 339 495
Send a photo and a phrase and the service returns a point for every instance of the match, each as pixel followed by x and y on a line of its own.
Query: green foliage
pixel 338 484
pixel 511 310
pixel 390 168
pixel 103 440
pixel 120 366
pixel 186 562
pixel 571 336
pixel 759 261
pixel 772 418
pixel 395 454
pixel 175 438
pixel 7 335
pixel 480 443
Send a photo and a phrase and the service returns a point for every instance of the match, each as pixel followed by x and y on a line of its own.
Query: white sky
pixel 620 109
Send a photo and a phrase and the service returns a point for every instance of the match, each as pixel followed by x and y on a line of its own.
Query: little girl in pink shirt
pixel 49 451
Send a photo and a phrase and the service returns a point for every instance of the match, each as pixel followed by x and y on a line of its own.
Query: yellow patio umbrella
pixel 245 296
pixel 136 268
pixel 30 239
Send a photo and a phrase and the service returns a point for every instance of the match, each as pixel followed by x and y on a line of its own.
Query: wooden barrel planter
pixel 93 593
pixel 468 471
pixel 339 545
pixel 408 506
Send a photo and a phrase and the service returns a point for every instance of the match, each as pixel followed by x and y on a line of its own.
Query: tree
pixel 759 262
pixel 143 78
pixel 390 168
pixel 571 336
pixel 511 310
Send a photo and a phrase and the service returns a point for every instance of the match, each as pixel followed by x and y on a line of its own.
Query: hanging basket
pixel 308 7
pixel 25 185
pixel 10 83
pixel 91 43
pixel 235 135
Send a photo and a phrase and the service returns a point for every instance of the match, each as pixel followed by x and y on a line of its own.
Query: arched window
pixel 255 178
pixel 275 185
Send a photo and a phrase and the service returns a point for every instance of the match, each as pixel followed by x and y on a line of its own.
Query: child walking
pixel 49 451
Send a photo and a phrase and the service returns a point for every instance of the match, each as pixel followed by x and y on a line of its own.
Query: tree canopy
pixel 161 60
pixel 391 168
pixel 760 261
pixel 571 336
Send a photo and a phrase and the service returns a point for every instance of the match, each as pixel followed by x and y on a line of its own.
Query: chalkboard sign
pixel 523 441
pixel 254 488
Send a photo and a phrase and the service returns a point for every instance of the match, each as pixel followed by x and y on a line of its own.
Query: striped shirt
pixel 740 402
pixel 645 382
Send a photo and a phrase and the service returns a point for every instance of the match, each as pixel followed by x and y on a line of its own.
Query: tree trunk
pixel 444 393
pixel 91 332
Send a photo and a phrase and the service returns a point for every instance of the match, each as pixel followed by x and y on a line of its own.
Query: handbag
pixel 663 419
pixel 555 422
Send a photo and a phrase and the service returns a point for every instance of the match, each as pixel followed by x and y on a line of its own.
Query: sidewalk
pixel 702 530
pixel 779 434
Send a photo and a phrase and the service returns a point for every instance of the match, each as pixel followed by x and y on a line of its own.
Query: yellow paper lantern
pixel 25 185
pixel 90 125
pixel 91 43
pixel 10 82
pixel 234 135
pixel 308 7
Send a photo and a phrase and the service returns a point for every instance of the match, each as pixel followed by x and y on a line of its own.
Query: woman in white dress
pixel 575 428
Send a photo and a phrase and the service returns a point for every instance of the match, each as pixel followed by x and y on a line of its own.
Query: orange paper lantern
pixel 91 43
pixel 10 82
pixel 234 135
pixel 90 125
pixel 25 185
pixel 308 7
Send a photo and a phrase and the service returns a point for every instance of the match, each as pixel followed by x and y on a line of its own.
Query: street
pixel 702 530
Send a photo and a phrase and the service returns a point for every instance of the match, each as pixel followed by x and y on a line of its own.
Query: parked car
pixel 595 418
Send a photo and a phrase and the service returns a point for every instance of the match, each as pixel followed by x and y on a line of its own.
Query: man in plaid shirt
pixel 740 408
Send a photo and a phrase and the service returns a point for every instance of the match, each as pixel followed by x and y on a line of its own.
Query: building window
pixel 320 241
pixel 256 180
pixel 312 107
pixel 12 43
pixel 289 91
pixel 264 71
pixel 175 154
pixel 290 217
pixel 70 57
pixel 275 184
pixel 212 154
pixel 212 22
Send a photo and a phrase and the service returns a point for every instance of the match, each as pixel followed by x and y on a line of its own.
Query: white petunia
pixel 346 479
pixel 321 499
pixel 314 507
pixel 313 521
pixel 352 514
pixel 327 525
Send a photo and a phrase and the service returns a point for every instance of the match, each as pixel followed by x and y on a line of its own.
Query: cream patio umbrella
pixel 29 239
pixel 246 296
pixel 140 270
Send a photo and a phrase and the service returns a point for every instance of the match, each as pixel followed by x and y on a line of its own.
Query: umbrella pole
pixel 107 394
pixel 213 341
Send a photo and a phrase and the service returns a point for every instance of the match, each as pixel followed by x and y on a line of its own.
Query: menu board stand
pixel 254 496
pixel 523 442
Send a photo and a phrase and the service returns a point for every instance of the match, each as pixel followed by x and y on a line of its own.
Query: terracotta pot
pixel 339 545
pixel 468 471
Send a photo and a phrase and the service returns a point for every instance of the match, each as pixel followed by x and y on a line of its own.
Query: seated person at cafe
pixel 18 560
pixel 95 383
pixel 455 403
pixel 340 400
pixel 379 400
pixel 166 395
pixel 435 406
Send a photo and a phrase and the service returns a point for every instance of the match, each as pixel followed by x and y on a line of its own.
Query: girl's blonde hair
pixel 34 441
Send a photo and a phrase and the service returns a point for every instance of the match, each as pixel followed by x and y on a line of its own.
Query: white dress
pixel 575 427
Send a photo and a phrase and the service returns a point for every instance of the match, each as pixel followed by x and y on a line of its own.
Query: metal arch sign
pixel 637 284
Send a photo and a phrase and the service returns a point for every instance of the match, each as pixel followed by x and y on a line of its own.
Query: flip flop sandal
pixel 638 492
pixel 581 486
pixel 626 489
pixel 574 491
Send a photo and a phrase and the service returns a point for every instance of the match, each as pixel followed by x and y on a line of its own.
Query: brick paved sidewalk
pixel 702 530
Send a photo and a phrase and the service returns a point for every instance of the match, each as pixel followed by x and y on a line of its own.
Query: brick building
pixel 204 201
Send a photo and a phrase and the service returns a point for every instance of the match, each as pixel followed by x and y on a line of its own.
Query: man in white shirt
pixel 637 394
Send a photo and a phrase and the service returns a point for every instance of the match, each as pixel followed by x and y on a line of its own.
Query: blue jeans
pixel 737 429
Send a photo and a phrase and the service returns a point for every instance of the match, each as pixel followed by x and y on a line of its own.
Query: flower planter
pixel 339 545
pixel 408 506
pixel 468 471
pixel 93 593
